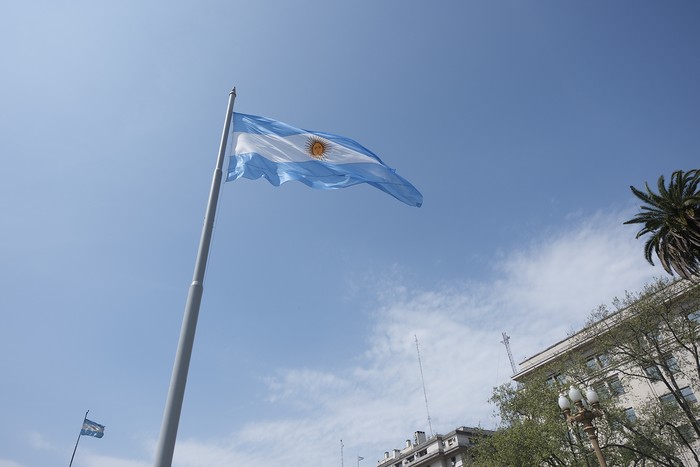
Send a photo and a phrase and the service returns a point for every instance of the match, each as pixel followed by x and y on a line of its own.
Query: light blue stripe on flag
pixel 279 153
pixel 91 428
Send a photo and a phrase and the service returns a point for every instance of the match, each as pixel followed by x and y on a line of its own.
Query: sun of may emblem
pixel 317 147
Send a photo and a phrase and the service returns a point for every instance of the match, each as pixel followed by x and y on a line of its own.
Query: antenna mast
pixel 425 394
pixel 506 342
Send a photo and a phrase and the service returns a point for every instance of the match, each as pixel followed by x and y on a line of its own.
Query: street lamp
pixel 583 415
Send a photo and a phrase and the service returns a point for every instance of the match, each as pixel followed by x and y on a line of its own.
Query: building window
pixel 602 389
pixel 557 379
pixel 653 373
pixel 597 362
pixel 615 385
pixel 592 363
pixel 667 398
pixel 672 364
pixel 688 394
pixel 609 387
pixel 654 338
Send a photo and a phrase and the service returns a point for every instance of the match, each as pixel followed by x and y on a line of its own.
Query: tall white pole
pixel 178 380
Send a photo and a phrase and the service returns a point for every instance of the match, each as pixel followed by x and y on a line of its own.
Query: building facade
pixel 436 451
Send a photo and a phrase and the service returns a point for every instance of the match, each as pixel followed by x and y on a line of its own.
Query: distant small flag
pixel 279 152
pixel 91 428
pixel 360 458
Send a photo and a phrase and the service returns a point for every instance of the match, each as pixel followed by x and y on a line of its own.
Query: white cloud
pixel 551 286
pixel 8 463
pixel 94 460
pixel 37 441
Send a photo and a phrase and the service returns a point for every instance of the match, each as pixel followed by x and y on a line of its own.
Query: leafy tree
pixel 672 218
pixel 647 338
pixel 654 338
pixel 533 430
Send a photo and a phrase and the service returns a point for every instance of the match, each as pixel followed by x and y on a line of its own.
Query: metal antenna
pixel 506 342
pixel 425 394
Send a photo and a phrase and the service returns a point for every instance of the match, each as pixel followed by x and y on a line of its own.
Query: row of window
pixel 599 362
pixel 653 371
pixel 422 453
pixel 613 386
pixel 685 392
pixel 610 387
pixel 602 361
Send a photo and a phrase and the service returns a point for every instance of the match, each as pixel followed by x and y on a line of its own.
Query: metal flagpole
pixel 76 443
pixel 176 392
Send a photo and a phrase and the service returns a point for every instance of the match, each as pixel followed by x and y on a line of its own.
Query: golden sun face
pixel 317 148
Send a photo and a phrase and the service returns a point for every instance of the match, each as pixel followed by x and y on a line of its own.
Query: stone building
pixel 435 451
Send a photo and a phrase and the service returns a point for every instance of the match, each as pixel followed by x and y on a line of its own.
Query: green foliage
pixel 533 430
pixel 672 218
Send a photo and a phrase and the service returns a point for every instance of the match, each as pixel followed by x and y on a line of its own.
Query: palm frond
pixel 672 219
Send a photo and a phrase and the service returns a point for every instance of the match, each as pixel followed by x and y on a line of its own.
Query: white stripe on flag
pixel 293 149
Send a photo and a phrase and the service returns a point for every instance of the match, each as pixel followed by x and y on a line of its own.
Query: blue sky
pixel 522 123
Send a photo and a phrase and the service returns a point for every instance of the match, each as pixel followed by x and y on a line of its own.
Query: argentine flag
pixel 91 428
pixel 279 152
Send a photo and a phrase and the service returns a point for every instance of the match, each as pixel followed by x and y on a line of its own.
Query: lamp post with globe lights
pixel 583 415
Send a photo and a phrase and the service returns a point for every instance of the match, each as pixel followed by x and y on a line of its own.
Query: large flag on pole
pixel 279 152
pixel 91 428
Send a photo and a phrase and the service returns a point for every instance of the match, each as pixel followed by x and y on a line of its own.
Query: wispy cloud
pixel 37 441
pixel 6 463
pixel 543 290
pixel 552 284
pixel 94 460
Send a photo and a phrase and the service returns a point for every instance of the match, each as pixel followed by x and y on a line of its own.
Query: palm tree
pixel 672 217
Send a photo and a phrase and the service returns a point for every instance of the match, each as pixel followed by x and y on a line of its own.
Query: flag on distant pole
pixel 89 428
pixel 279 153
